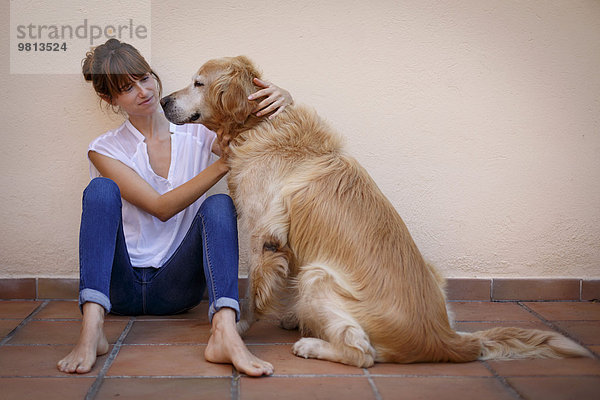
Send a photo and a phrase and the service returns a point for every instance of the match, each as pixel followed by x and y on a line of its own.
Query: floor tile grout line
pixel 12 333
pixel 514 392
pixel 167 377
pixel 503 301
pixel 313 376
pixel 294 376
pixel 71 320
pixel 203 344
pixel 557 328
pixel 123 345
pixel 197 344
pixel 93 390
pixel 64 376
pixel 491 321
pixel 57 319
pixel 508 301
pixel 372 384
pixel 509 321
pixel 39 344
pixel 431 376
pixel 32 300
pixel 235 384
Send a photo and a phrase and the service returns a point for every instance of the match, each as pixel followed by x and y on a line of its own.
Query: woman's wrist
pixel 222 165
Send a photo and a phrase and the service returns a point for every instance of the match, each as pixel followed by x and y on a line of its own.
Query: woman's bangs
pixel 123 69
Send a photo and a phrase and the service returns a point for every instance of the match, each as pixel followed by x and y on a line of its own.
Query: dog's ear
pixel 234 99
pixel 234 87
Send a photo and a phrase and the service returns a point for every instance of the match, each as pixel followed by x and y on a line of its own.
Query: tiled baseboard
pixel 523 289
pixel 492 289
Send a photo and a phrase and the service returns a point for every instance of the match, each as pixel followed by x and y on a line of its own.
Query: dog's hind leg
pixel 270 260
pixel 267 281
pixel 322 309
pixel 270 278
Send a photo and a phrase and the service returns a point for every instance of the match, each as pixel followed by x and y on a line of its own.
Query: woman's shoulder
pixel 117 142
pixel 110 136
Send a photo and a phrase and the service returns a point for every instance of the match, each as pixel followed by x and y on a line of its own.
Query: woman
pixel 149 241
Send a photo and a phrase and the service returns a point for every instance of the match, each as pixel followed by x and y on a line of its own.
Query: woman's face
pixel 140 97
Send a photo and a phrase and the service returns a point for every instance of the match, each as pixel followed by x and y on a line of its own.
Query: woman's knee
pixel 218 204
pixel 102 192
pixel 218 211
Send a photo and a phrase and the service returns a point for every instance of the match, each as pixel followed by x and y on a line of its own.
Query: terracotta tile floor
pixel 162 358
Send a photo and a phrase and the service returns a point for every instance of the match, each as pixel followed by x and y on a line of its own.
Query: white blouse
pixel 150 241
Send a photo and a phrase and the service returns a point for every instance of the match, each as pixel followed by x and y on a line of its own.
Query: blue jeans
pixel 207 254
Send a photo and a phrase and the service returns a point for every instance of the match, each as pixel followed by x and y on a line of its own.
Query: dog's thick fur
pixel 328 251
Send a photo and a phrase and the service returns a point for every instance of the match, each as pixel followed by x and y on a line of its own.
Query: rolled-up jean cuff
pixel 94 296
pixel 224 302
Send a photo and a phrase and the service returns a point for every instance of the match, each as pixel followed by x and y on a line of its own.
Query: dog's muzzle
pixel 169 105
pixel 164 102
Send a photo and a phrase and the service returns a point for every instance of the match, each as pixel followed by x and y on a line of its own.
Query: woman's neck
pixel 153 126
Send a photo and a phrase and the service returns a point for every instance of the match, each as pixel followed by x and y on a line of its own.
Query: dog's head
pixel 217 96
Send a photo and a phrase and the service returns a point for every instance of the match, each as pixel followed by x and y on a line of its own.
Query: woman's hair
pixel 112 66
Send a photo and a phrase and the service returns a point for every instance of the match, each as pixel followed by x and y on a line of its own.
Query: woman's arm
pixel 139 193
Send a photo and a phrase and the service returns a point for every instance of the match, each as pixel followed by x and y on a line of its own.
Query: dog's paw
pixel 308 347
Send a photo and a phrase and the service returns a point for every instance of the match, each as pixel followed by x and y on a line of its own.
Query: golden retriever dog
pixel 328 251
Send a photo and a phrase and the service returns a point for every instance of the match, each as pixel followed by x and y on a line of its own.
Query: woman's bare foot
pixel 225 346
pixel 92 342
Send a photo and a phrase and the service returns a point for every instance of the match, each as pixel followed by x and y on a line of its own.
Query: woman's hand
pixel 276 99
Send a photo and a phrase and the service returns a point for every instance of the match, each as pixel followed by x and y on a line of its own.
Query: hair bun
pixel 112 44
pixel 86 66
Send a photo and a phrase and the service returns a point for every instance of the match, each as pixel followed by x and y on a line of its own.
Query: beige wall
pixel 480 120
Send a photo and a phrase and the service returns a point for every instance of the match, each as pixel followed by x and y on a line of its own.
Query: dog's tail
pixel 518 343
